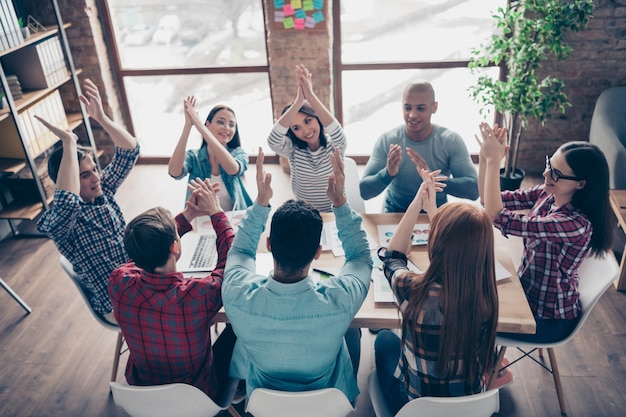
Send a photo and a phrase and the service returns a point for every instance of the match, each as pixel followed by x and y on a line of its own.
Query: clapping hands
pixel 204 199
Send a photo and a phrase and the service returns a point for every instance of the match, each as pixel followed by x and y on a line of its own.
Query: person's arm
pixel 377 175
pixel 306 87
pixel 464 180
pixel 243 250
pixel 68 177
pixel 353 238
pixel 177 161
pixel 93 103
pixel 493 150
pixel 221 154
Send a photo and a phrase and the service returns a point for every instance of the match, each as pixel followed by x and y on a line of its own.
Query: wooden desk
pixel 514 315
pixel 618 204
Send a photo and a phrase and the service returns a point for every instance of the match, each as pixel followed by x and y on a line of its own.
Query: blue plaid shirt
pixel 90 235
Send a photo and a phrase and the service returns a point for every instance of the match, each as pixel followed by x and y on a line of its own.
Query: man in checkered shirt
pixel 85 222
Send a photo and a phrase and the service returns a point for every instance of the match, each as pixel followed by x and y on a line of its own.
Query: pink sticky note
pixel 288 10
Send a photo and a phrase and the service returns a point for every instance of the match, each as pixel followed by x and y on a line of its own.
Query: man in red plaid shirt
pixel 166 318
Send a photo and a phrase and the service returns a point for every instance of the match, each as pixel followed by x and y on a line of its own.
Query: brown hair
pixel 462 261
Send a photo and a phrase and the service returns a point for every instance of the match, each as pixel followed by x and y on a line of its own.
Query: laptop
pixel 199 252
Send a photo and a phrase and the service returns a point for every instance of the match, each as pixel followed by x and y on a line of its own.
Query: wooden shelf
pixel 34 38
pixel 11 166
pixel 30 97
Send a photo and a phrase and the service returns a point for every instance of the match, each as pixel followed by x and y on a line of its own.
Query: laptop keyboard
pixel 205 255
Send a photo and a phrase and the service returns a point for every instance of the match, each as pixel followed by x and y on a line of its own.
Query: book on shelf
pixel 38 66
pixel 11 34
pixel 36 138
pixel 15 87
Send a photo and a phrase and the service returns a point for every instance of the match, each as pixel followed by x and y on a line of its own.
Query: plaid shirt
pixel 418 361
pixel 166 319
pixel 90 235
pixel 556 240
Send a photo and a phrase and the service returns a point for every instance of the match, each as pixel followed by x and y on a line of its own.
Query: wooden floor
pixel 57 360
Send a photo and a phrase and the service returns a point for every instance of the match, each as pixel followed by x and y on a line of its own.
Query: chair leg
pixel 14 295
pixel 496 366
pixel 557 379
pixel 116 358
pixel 233 412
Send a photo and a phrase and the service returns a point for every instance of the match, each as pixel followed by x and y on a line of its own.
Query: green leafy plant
pixel 527 33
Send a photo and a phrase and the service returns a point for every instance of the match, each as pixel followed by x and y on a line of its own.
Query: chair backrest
pixel 164 400
pixel 328 402
pixel 608 132
pixel 477 405
pixel 353 192
pixel 595 277
pixel 67 267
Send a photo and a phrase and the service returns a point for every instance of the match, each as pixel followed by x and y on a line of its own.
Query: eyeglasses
pixel 555 175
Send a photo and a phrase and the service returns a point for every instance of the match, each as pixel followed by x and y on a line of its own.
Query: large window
pixel 212 49
pixel 412 40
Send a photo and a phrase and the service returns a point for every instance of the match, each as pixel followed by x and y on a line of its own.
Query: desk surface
pixel 515 315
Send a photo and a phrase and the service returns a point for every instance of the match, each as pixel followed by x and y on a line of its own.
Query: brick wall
pixel 286 49
pixel 593 66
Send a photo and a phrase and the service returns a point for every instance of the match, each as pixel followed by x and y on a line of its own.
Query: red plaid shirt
pixel 556 240
pixel 166 319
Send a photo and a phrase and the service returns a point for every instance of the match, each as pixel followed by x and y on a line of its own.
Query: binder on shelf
pixel 34 65
pixel 4 29
pixel 12 29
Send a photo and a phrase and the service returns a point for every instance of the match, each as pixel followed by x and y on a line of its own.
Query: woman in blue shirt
pixel 220 157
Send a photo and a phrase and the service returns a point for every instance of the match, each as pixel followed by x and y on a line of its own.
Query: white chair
pixel 483 404
pixel 596 276
pixel 353 194
pixel 328 402
pixel 170 400
pixel 119 344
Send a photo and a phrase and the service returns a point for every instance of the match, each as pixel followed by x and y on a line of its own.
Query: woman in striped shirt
pixel 307 134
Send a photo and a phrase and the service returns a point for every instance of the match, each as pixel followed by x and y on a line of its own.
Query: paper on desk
pixel 419 236
pixel 330 239
pixel 204 225
pixel 501 272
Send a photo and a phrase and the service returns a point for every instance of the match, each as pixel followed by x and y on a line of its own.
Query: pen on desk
pixel 321 271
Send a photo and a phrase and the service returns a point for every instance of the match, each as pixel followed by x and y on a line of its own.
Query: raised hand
pixel 304 81
pixel 92 101
pixel 190 102
pixel 191 114
pixel 493 145
pixel 203 199
pixel 263 181
pixel 66 136
pixel 337 180
pixel 394 157
pixel 420 163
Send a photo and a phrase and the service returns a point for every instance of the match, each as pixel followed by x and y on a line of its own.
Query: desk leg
pixel 620 283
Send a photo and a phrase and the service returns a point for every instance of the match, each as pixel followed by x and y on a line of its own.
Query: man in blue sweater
pixel 400 153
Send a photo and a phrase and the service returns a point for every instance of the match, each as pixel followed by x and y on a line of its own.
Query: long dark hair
pixel 235 141
pixel 308 110
pixel 468 299
pixel 589 163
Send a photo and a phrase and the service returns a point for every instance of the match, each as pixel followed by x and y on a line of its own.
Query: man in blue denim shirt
pixel 290 329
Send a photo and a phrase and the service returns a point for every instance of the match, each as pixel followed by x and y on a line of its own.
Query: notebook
pixel 199 252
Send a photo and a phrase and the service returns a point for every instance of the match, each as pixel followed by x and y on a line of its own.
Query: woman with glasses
pixel 568 219
pixel 220 157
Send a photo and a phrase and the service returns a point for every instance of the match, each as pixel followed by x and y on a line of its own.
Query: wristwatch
pixel 384 254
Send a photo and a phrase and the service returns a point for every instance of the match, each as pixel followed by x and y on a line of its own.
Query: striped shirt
pixel 556 240
pixel 418 361
pixel 90 235
pixel 166 319
pixel 309 169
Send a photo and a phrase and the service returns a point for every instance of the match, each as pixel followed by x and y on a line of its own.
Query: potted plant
pixel 528 32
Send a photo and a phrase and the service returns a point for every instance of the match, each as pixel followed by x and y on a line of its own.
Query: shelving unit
pixel 21 146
